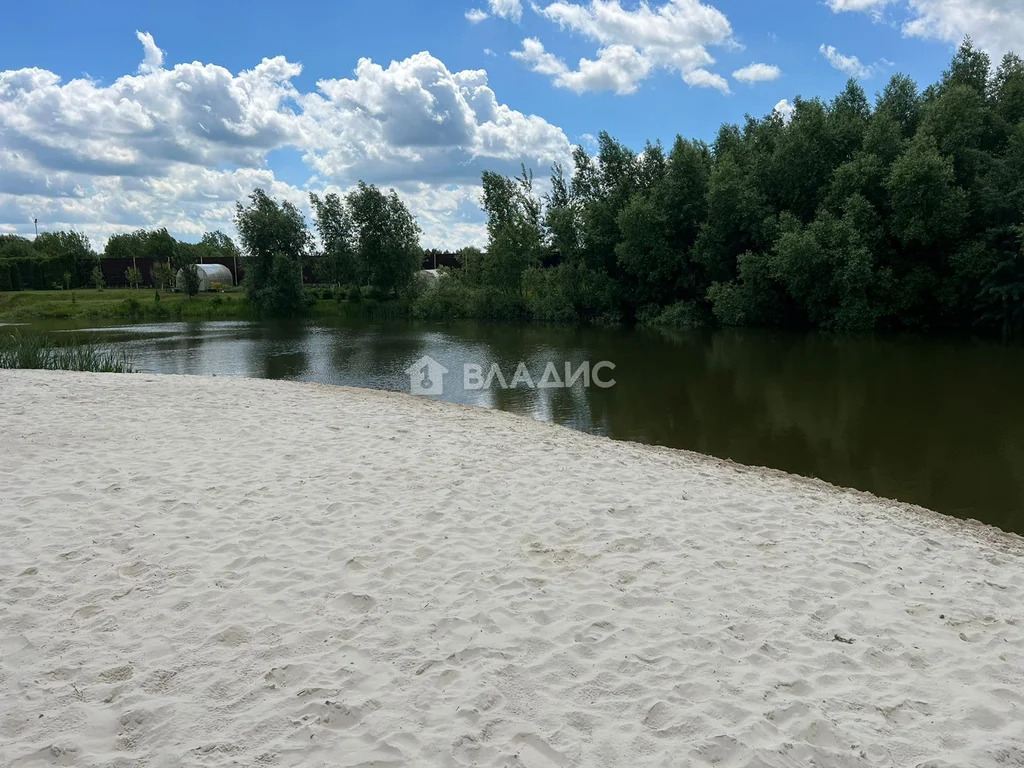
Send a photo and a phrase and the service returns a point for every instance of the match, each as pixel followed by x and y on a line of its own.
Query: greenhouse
pixel 210 276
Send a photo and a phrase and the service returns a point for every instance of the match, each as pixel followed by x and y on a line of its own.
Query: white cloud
pixel 757 73
pixel 417 118
pixel 475 15
pixel 701 78
pixel 996 25
pixel 489 52
pixel 784 110
pixel 849 65
pixel 153 60
pixel 874 7
pixel 618 68
pixel 633 43
pixel 177 147
pixel 507 9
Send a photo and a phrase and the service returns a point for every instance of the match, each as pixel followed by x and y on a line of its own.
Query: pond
pixel 938 423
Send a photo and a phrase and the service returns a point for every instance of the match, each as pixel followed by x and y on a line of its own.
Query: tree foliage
pixel 386 239
pixel 276 244
pixel 850 216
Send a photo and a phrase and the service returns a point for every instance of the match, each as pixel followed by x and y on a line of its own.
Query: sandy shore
pixel 210 571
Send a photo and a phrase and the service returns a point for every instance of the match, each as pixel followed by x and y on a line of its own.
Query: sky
pixel 121 115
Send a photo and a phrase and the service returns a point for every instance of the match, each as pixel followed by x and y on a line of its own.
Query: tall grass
pixel 36 350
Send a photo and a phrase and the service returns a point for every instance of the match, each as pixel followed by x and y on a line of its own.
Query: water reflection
pixel 939 423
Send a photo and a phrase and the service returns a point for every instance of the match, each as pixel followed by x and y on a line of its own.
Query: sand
pixel 211 571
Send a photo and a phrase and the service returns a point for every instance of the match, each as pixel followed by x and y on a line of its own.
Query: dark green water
pixel 939 423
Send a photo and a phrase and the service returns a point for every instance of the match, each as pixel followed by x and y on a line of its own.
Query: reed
pixel 67 353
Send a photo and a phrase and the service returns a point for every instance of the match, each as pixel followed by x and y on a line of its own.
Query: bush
pixel 132 307
pixel 548 296
pixel 682 314
pixel 448 299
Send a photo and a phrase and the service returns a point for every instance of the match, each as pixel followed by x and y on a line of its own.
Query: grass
pixel 119 303
pixel 142 305
pixel 35 350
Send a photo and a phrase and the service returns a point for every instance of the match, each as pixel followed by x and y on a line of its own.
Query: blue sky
pixel 104 130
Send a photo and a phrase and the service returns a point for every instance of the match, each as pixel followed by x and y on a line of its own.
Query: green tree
pixel 71 251
pixel 336 263
pixel 514 230
pixel 387 247
pixel 184 258
pixel 970 68
pixel 275 240
pixel 928 208
pixel 188 278
pixel 133 276
pixel 163 276
pixel 901 103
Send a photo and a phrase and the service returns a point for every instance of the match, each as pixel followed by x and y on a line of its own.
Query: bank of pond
pixel 929 421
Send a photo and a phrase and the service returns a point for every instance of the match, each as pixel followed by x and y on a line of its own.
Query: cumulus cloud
pixel 632 43
pixel 784 110
pixel 996 25
pixel 618 68
pixel 177 147
pixel 849 65
pixel 475 15
pixel 154 57
pixel 701 78
pixel 417 119
pixel 757 73
pixel 507 9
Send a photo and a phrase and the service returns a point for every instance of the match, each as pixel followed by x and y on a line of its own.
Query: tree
pixel 336 263
pixel 561 217
pixel 1007 89
pixel 72 252
pixel 514 230
pixel 276 242
pixel 901 103
pixel 970 68
pixel 386 239
pixel 163 275
pixel 927 206
pixel 97 278
pixel 133 276
pixel 190 279
pixel 184 258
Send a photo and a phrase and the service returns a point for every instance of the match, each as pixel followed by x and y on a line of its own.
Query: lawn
pixel 127 303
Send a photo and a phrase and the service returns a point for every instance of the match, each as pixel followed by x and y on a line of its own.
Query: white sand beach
pixel 214 572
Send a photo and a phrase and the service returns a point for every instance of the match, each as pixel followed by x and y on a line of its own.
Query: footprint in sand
pixel 534 752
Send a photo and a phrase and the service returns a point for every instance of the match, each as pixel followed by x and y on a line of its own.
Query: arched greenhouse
pixel 209 274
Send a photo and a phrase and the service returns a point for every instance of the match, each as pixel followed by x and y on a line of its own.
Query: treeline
pixel 368 240
pixel 908 214
pixel 66 260
pixel 163 255
pixel 52 260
